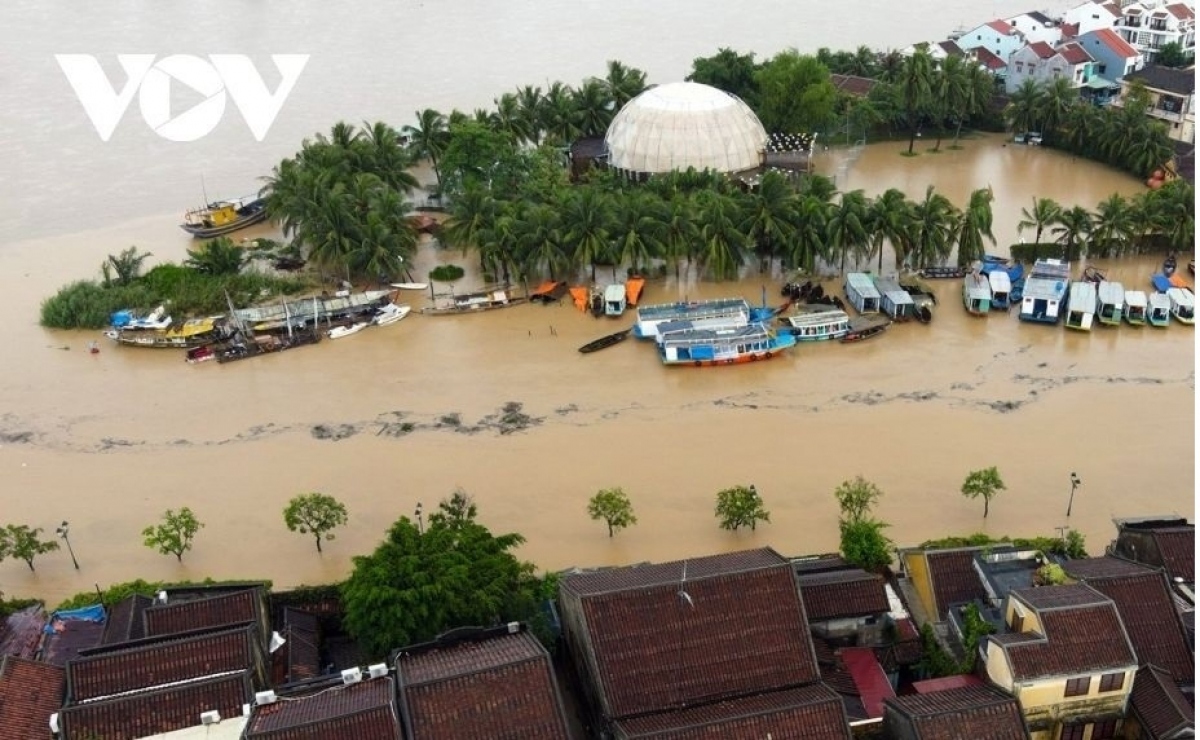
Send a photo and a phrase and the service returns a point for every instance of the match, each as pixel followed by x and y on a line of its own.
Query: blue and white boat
pixel 614 300
pixel 1158 310
pixel 650 317
pixel 1110 302
pixel 726 346
pixel 977 294
pixel 1046 291
pixel 1001 287
pixel 1081 306
pixel 817 326
pixel 1183 305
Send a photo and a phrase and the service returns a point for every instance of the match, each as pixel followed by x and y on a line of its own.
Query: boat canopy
pixel 1000 281
pixel 1111 293
pixel 978 287
pixel 1082 298
pixel 1136 298
pixel 861 283
pixel 1181 297
pixel 615 293
pixel 1158 302
pixel 818 318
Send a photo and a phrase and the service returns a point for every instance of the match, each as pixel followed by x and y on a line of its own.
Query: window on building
pixel 1078 687
pixel 1112 681
pixel 1104 730
pixel 1072 732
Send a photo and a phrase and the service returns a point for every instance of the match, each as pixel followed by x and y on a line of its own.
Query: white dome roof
pixel 685 124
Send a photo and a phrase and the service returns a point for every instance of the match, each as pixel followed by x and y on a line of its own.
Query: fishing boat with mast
pixel 224 216
pixel 245 342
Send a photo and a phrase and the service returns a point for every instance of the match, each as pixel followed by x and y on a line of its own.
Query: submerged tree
pixel 983 484
pixel 316 514
pixel 741 507
pixel 174 536
pixel 22 542
pixel 612 506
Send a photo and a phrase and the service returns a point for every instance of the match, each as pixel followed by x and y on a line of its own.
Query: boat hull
pixel 210 232
pixel 739 360
pixel 479 308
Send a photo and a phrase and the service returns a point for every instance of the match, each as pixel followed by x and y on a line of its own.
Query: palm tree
pixel 812 229
pixel 380 153
pixel 499 244
pixel 595 107
pixel 638 229
pixel 979 87
pixel 975 224
pixel 770 219
pixel 529 107
pixel 560 114
pixel 624 83
pixel 916 84
pixel 1072 228
pixel 1174 206
pixel 722 243
pixel 430 137
pixel 1112 226
pixel 847 226
pixel 889 218
pixel 1045 212
pixel 471 213
pixel 1082 127
pixel 123 268
pixel 217 257
pixel 509 118
pixel 1023 106
pixel 935 220
pixel 951 96
pixel 540 230
pixel 1055 103
pixel 680 231
pixel 1146 148
pixel 587 217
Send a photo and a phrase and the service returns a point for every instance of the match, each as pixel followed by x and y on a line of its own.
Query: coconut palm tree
pixel 979 87
pixel 1146 148
pixel 429 138
pixel 587 222
pixel 680 233
pixel 529 107
pixel 889 218
pixel 499 245
pixel 509 118
pixel 1044 213
pixel 722 243
pixel 540 230
pixel 935 221
pixel 1082 128
pixel 560 114
pixel 811 240
pixel 1112 226
pixel 471 213
pixel 974 226
pixel 638 229
pixel 219 256
pixel 624 83
pixel 1071 228
pixel 916 90
pixel 951 96
pixel 1054 105
pixel 123 268
pixel 1023 106
pixel 595 107
pixel 846 228
pixel 770 219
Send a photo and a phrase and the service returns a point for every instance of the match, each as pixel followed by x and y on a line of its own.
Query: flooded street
pixel 109 441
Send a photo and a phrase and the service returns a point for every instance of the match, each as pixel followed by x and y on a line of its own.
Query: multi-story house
pixel 1092 16
pixel 1044 64
pixel 997 37
pixel 1066 658
pixel 1035 26
pixel 1114 57
pixel 1150 24
pixel 1172 98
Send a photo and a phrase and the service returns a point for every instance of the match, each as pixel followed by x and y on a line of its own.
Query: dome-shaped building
pixel 685 124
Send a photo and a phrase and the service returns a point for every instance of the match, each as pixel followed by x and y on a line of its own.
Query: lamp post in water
pixel 420 523
pixel 64 532
pixel 1074 484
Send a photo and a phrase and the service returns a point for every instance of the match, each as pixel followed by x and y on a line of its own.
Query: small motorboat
pixel 861 329
pixel 390 314
pixel 338 332
pixel 1169 266
pixel 224 216
pixel 410 286
pixel 942 273
pixel 605 342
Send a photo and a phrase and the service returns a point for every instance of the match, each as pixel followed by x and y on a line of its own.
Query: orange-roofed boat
pixel 633 289
pixel 581 297
pixel 549 291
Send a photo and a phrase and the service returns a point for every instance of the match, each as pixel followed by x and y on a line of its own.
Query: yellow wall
pixel 1044 701
pixel 918 573
pixel 1031 623
pixel 997 667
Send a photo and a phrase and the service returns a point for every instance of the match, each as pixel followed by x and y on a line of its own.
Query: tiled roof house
pixel 1158 710
pixel 673 637
pixel 126 620
pixel 29 693
pixel 1165 542
pixel 191 610
pixel 976 712
pixel 844 594
pixel 498 683
pixel 365 710
pixel 943 578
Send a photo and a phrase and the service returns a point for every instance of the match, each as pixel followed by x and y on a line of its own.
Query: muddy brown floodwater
pixel 109 441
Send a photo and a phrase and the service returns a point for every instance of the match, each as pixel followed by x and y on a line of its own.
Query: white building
pixel 1035 27
pixel 998 37
pixel 1091 16
pixel 1150 24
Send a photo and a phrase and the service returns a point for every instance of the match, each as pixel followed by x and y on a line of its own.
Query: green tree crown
pixel 612 506
pixel 174 536
pixel 22 542
pixel 740 506
pixel 316 514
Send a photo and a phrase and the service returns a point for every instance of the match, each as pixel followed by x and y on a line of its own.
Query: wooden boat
pixel 604 342
pixel 224 216
pixel 191 333
pixel 1135 307
pixel 940 273
pixel 1081 306
pixel 1169 265
pixel 485 300
pixel 861 329
pixel 410 286
pixel 633 289
pixel 549 291
pixel 921 294
pixel 977 294
pixel 390 314
pixel 614 300
pixel 1183 305
pixel 338 307
pixel 338 332
pixel 1045 291
pixel 727 346
pixel 201 354
pixel 1094 275
pixel 817 326
pixel 1158 310
pixel 1110 303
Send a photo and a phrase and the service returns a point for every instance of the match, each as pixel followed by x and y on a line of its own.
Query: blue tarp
pixel 1161 282
pixel 121 318
pixel 94 613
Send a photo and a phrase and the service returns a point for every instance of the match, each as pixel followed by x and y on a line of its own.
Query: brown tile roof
pixel 29 693
pixel 164 710
pixel 951 48
pixel 1113 8
pixel 1059 597
pixel 1160 707
pixel 955 580
pixel 365 710
pixel 1074 54
pixel 1042 49
pixel 1147 608
pixel 500 687
pixel 1115 43
pixel 853 85
pixel 848 593
pixel 152 662
pixel 218 611
pixel 1079 638
pixel 988 59
pixel 820 564
pixel 1181 11
pixel 811 712
pixel 1004 28
pixel 977 712
pixel 126 620
pixel 660 636
pixel 302 633
pixel 1177 545
pixel 21 632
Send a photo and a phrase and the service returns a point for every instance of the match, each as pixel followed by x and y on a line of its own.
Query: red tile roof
pixel 164 710
pixel 365 710
pixel 977 712
pixel 126 620
pixel 1113 8
pixel 21 632
pixel 1159 706
pixel 1177 545
pixel 852 84
pixel 1074 54
pixel 842 594
pixel 988 59
pixel 302 635
pixel 155 662
pixel 501 687
pixel 1181 11
pixel 1002 27
pixel 29 693
pixel 1069 30
pixel 930 685
pixel 655 637
pixel 1115 43
pixel 1147 608
pixel 1083 634
pixel 955 580
pixel 870 680
pixel 218 611
pixel 811 712
pixel 1042 49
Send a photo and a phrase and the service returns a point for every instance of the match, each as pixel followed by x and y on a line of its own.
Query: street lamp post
pixel 420 523
pixel 1074 484
pixel 64 532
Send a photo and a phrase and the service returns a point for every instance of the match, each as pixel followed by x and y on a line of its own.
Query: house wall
pixel 996 665
pixel 1030 621
pixel 1181 126
pixel 574 628
pixel 1044 705
pixel 1035 31
pixel 1025 64
pixel 1002 45
pixel 918 574
pixel 1110 65
pixel 1090 17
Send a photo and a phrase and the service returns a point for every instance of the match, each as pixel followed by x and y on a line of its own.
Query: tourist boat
pixel 339 332
pixel 1045 291
pixel 342 305
pixel 1135 307
pixel 605 342
pixel 977 294
pixel 1001 287
pixel 862 329
pixel 1183 305
pixel 895 302
pixel 1158 310
pixel 1110 303
pixel 614 300
pixel 243 347
pixel 924 300
pixel 817 326
pixel 941 273
pixel 1169 265
pixel 650 317
pixel 714 322
pixel 550 291
pixel 390 314
pixel 727 346
pixel 127 319
pixel 191 333
pixel 1081 306
pixel 485 300
pixel 224 216
pixel 860 291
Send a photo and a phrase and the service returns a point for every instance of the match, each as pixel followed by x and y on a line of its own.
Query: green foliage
pixel 418 584
pixel 1031 252
pixel 865 545
pixel 856 497
pixel 985 484
pixel 975 627
pixel 795 94
pixel 174 536
pixel 1071 546
pixel 124 268
pixel 935 661
pixel 446 273
pixel 1050 574
pixel 729 71
pixel 12 606
pixel 217 257
pixel 479 156
pixel 740 507
pixel 1172 54
pixel 612 506
pixel 316 514
pixel 21 542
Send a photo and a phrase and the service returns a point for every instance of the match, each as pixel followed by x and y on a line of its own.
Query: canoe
pixel 410 286
pixel 338 332
pixel 861 329
pixel 605 342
